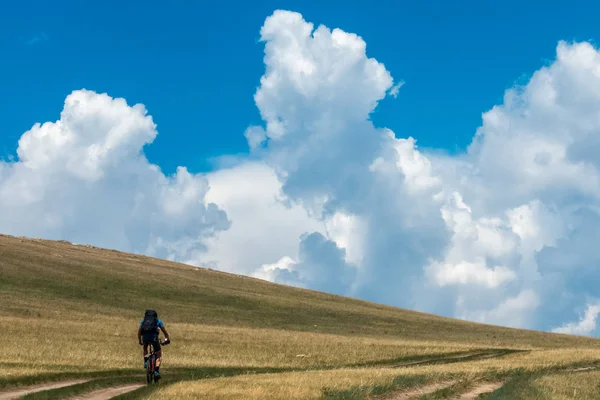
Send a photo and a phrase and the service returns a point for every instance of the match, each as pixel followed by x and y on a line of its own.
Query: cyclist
pixel 148 333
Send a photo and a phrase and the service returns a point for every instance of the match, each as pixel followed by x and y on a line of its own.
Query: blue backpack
pixel 150 323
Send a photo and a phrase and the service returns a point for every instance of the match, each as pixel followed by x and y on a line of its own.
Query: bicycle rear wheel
pixel 150 365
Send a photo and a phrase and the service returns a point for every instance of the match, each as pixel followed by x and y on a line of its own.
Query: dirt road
pixel 16 393
pixel 474 393
pixel 420 391
pixel 108 393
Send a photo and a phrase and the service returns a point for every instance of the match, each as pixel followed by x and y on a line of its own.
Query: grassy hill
pixel 70 310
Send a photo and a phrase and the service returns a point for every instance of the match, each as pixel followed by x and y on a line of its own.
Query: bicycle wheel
pixel 150 365
pixel 149 371
pixel 153 377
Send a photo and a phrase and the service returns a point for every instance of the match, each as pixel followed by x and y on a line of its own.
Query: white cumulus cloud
pixel 84 178
pixel 320 266
pixel 505 232
pixel 585 326
pixel 263 229
pixel 465 235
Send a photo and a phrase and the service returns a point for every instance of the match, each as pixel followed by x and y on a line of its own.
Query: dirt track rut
pixel 16 393
pixel 420 391
pixel 473 393
pixel 108 393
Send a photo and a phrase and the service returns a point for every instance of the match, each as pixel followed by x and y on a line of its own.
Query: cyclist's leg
pixel 146 342
pixel 158 352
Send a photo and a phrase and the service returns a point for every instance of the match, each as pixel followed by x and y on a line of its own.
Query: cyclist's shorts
pixel 146 339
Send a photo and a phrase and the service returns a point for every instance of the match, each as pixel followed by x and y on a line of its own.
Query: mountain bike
pixel 150 361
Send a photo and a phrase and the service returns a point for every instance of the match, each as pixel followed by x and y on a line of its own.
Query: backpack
pixel 150 323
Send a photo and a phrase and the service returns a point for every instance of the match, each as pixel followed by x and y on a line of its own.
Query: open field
pixel 71 312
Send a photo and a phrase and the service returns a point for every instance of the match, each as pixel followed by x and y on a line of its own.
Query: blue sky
pixel 327 201
pixel 196 65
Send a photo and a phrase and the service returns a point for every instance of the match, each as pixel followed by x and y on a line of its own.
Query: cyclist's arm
pixel 140 335
pixel 164 331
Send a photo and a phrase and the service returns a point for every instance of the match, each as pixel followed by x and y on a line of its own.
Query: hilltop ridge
pixel 42 276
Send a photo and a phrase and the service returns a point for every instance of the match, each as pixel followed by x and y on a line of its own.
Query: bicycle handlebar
pixel 163 342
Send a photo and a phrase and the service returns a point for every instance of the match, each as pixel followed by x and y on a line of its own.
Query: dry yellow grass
pixel 580 385
pixel 109 343
pixel 13 371
pixel 310 385
pixel 67 308
pixel 56 280
pixel 533 361
pixel 281 386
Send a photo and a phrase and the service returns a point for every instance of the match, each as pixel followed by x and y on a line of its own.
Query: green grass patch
pixel 364 392
pixel 518 386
